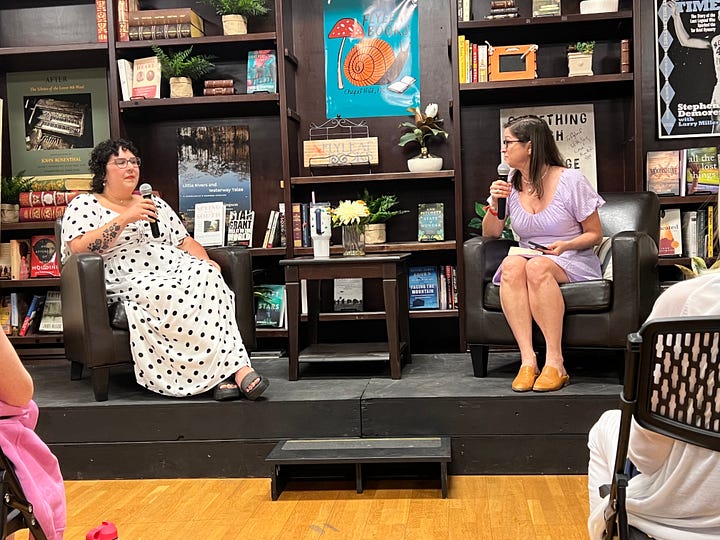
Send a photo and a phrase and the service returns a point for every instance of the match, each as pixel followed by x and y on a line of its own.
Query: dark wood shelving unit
pixel 33 283
pixel 371 177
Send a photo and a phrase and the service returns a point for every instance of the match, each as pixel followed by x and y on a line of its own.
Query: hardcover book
pixel 51 320
pixel 689 233
pixel 702 170
pixel 431 222
pixel 210 223
pixel 146 78
pixel 240 228
pixel 213 164
pixel 62 182
pixel 670 233
pixel 270 310
pixel 56 117
pixel 19 258
pixel 43 256
pixel 5 314
pixel 5 260
pixel 36 305
pixel 125 74
pixel 261 71
pixel 46 198
pixel 423 287
pixel 41 213
pixel 101 20
pixel 545 8
pixel 663 172
pixel 164 31
pixel 348 294
pixel 148 17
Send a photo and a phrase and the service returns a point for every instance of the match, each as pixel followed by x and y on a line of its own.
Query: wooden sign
pixel 340 152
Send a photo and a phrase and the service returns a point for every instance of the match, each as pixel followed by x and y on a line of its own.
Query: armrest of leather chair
pixel 635 277
pixel 236 266
pixel 482 256
pixel 86 326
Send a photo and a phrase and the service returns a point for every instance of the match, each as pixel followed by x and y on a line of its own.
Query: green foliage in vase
pixel 381 207
pixel 248 8
pixel 183 63
pixel 12 186
pixel 476 222
pixel 586 47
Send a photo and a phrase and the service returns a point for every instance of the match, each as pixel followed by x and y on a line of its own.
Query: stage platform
pixel 138 434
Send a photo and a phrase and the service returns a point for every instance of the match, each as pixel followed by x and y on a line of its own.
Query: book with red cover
pixel 41 213
pixel 43 256
pixel 101 20
pixel 46 198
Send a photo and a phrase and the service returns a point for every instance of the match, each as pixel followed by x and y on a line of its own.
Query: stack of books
pixel 218 87
pixel 503 9
pixel 165 24
pixel 545 8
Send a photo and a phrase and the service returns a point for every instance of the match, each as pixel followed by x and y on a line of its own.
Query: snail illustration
pixel 373 61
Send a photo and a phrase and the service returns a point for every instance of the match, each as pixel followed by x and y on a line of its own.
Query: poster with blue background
pixel 372 61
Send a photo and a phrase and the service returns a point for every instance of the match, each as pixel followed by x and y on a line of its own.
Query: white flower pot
pixel 598 6
pixel 425 164
pixel 375 233
pixel 234 25
pixel 181 87
pixel 579 64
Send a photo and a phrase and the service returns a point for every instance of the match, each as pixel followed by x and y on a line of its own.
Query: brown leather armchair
pixel 94 334
pixel 599 313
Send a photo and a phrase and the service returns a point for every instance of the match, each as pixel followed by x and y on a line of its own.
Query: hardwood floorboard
pixel 478 507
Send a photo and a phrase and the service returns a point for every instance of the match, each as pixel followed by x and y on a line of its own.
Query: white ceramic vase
pixel 425 164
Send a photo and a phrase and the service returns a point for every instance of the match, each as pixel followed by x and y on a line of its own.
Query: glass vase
pixel 353 239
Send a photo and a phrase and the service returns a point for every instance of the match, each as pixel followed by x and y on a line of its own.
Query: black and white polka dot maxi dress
pixel 181 314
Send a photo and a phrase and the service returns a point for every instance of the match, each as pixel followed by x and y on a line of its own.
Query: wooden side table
pixel 391 268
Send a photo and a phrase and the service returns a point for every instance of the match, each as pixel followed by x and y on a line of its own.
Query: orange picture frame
pixel 512 62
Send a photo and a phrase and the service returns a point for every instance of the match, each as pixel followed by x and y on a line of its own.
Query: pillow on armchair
pixel 604 251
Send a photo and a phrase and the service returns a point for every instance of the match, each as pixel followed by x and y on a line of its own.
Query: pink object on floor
pixel 106 531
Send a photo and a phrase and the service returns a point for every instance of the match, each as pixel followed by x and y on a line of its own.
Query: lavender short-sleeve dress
pixel 574 201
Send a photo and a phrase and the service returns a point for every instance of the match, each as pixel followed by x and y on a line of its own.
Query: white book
pixel 348 294
pixel 670 233
pixel 125 74
pixel 689 233
pixel 240 228
pixel 210 223
pixel 271 218
pixel 51 320
pixel 273 235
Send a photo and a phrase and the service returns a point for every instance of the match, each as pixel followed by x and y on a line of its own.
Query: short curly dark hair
pixel 100 156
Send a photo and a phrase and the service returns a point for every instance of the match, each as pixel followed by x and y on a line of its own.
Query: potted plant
pixel 476 222
pixel 234 13
pixel 580 56
pixel 10 189
pixel 381 210
pixel 426 126
pixel 181 68
pixel 697 267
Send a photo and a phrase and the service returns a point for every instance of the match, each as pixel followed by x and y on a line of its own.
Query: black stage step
pixel 357 451
pixel 138 434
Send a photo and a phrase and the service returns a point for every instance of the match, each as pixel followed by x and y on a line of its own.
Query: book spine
pixel 101 20
pixel 149 17
pixel 297 225
pixel 14 314
pixel 163 31
pixel 499 4
pixel 711 231
pixel 31 314
pixel 282 227
pixel 475 64
pixel 46 198
pixel 218 83
pixel 219 91
pixel 123 13
pixel 305 213
pixel 274 230
pixel 504 11
pixel 41 213
pixel 125 77
pixel 625 56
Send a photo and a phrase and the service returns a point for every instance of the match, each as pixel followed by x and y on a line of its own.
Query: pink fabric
pixel 36 467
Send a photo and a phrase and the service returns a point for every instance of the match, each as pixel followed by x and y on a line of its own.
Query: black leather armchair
pixel 94 339
pixel 599 313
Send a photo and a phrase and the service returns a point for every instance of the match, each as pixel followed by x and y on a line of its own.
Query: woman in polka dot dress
pixel 183 332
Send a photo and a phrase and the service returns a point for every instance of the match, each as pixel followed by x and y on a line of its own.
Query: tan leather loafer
pixel 525 379
pixel 550 380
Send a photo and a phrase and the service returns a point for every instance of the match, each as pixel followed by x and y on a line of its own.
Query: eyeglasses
pixel 508 142
pixel 123 163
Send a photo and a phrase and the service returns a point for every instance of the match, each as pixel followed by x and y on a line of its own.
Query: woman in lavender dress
pixel 557 208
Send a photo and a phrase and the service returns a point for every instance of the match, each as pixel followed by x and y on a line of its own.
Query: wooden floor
pixel 478 507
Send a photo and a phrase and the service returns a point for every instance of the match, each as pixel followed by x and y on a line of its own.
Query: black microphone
pixel 503 171
pixel 146 192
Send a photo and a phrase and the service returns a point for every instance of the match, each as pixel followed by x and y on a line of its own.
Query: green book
pixel 270 306
pixel 431 222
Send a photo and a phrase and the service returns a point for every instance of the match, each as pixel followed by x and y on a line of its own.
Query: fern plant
pixel 381 207
pixel 12 186
pixel 183 63
pixel 238 7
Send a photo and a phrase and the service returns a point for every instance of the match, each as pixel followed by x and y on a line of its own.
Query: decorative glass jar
pixel 353 239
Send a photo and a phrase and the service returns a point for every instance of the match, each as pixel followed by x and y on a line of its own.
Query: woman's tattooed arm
pixel 108 237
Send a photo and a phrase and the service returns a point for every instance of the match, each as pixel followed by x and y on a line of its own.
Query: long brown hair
pixel 544 153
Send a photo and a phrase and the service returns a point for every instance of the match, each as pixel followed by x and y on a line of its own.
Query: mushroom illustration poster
pixel 372 61
pixel 687 62
pixel 213 165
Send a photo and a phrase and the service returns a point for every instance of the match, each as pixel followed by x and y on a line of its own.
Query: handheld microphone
pixel 146 192
pixel 503 171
